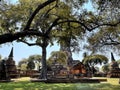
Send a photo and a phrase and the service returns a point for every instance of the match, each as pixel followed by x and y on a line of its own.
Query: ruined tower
pixel 10 63
pixel 113 64
pixel 114 68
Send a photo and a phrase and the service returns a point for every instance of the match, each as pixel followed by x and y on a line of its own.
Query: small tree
pixel 32 58
pixel 30 65
pixel 23 67
pixel 93 60
pixel 58 57
pixel 23 61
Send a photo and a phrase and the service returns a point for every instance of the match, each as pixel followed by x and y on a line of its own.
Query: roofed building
pixel 78 69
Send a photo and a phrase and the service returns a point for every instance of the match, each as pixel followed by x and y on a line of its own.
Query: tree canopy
pixel 94 20
pixel 8 36
pixel 30 65
pixel 23 64
pixel 93 60
pixel 59 57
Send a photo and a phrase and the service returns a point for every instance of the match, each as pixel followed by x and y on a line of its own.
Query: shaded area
pixel 67 80
pixel 4 77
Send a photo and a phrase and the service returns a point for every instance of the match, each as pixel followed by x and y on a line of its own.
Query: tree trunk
pixel 44 65
pixel 69 53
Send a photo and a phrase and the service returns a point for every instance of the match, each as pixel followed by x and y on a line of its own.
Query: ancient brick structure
pixel 10 64
pixel 79 68
pixel 114 68
pixel 3 71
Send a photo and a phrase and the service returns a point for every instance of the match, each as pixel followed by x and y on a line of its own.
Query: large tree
pixel 41 23
pixel 68 38
pixel 6 23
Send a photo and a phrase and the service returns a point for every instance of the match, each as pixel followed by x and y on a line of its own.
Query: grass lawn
pixel 23 84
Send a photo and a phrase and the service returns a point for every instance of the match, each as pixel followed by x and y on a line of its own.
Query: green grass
pixel 26 85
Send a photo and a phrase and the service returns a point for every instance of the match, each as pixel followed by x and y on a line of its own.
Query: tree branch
pixel 9 37
pixel 36 11
pixel 93 27
pixel 104 24
pixel 53 24
pixel 29 44
pixel 112 43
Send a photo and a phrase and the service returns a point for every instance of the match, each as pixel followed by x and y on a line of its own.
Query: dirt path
pixel 22 79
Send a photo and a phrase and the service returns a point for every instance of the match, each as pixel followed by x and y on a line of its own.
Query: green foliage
pixel 106 68
pixel 105 39
pixel 56 16
pixel 68 35
pixel 23 61
pixel 30 65
pixel 43 20
pixel 58 57
pixel 108 9
pixel 23 64
pixel 92 60
pixel 23 67
pixel 35 58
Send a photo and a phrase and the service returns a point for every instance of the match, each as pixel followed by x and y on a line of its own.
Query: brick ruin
pixel 10 65
pixel 114 68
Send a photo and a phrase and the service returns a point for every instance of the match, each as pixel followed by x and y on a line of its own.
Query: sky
pixel 21 50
